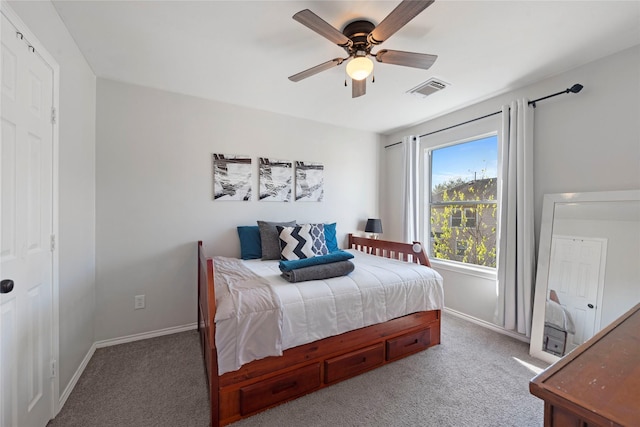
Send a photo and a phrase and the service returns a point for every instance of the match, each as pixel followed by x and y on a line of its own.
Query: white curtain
pixel 516 250
pixel 410 188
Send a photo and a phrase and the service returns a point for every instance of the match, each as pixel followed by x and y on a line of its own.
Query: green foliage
pixel 465 233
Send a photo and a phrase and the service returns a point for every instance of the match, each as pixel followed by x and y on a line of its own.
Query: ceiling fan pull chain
pixel 373 78
pixel 345 82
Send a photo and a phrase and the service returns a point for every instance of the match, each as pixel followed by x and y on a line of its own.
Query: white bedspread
pixel 378 290
pixel 248 315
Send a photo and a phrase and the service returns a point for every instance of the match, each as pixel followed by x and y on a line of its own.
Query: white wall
pixel 76 172
pixel 154 187
pixel 582 142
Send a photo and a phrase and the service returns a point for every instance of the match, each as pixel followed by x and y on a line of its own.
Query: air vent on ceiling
pixel 429 87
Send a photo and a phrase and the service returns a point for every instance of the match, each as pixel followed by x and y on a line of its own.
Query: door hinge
pixel 53 115
pixel 53 242
pixel 53 369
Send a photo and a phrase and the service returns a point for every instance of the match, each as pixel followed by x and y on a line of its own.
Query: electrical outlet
pixel 138 302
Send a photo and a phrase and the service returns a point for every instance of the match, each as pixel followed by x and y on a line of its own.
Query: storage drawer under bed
pixel 353 363
pixel 408 343
pixel 279 388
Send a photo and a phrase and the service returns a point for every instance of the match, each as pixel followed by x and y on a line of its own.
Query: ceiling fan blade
pixel 358 87
pixel 407 59
pixel 322 27
pixel 398 18
pixel 315 70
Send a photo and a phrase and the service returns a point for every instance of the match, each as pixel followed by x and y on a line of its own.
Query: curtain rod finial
pixel 575 88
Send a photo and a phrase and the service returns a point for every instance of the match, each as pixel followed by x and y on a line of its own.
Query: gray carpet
pixel 472 379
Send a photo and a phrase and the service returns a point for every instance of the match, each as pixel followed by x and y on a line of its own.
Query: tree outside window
pixel 463 209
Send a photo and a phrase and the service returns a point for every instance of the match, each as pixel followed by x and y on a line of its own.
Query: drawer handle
pixel 356 362
pixel 414 342
pixel 283 387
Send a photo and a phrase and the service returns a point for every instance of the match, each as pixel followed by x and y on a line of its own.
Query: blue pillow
pixel 250 243
pixel 330 237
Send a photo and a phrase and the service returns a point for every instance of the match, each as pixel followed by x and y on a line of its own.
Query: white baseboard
pixel 115 341
pixel 74 380
pixel 145 335
pixel 487 325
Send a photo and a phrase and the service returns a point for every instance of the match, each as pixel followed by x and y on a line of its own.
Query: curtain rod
pixel 573 89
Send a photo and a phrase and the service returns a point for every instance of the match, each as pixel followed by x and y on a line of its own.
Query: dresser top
pixel 601 376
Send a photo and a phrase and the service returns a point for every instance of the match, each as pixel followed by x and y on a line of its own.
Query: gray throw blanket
pixel 318 272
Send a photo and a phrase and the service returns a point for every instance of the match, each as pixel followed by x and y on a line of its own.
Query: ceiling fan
pixel 358 39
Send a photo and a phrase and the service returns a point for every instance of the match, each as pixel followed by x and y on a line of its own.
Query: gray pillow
pixel 269 238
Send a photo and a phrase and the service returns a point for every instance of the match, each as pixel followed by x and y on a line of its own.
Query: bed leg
pixel 214 394
pixel 199 284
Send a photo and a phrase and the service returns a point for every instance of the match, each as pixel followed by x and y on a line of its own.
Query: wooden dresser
pixel 597 384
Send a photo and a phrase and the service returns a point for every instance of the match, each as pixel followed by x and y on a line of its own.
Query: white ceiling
pixel 242 52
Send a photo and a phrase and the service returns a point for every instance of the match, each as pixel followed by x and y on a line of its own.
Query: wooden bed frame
pixel 268 382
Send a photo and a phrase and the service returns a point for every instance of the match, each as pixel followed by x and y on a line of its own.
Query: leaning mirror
pixel 588 268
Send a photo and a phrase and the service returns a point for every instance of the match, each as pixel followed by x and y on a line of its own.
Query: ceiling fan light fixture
pixel 359 68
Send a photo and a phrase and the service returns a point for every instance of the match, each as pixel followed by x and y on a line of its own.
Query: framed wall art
pixel 275 177
pixel 309 181
pixel 231 177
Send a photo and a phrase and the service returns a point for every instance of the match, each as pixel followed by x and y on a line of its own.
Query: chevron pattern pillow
pixel 296 242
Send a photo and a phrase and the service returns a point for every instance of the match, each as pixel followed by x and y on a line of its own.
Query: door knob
pixel 6 286
pixel 590 305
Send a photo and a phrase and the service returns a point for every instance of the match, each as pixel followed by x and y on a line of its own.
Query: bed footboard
pixel 207 330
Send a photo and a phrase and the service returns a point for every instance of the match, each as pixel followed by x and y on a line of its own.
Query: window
pixel 462 207
pixel 463 217
pixel 461 247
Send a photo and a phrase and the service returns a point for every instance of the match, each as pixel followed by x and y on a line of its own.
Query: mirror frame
pixel 544 255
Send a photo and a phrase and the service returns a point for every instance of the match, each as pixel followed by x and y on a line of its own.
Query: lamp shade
pixel 359 68
pixel 374 225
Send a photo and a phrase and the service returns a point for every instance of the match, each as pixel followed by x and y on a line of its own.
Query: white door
pixel 576 273
pixel 26 218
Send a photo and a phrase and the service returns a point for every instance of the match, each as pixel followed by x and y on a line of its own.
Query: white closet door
pixel 25 248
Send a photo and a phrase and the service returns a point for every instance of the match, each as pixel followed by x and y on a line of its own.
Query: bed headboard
pixel 410 252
